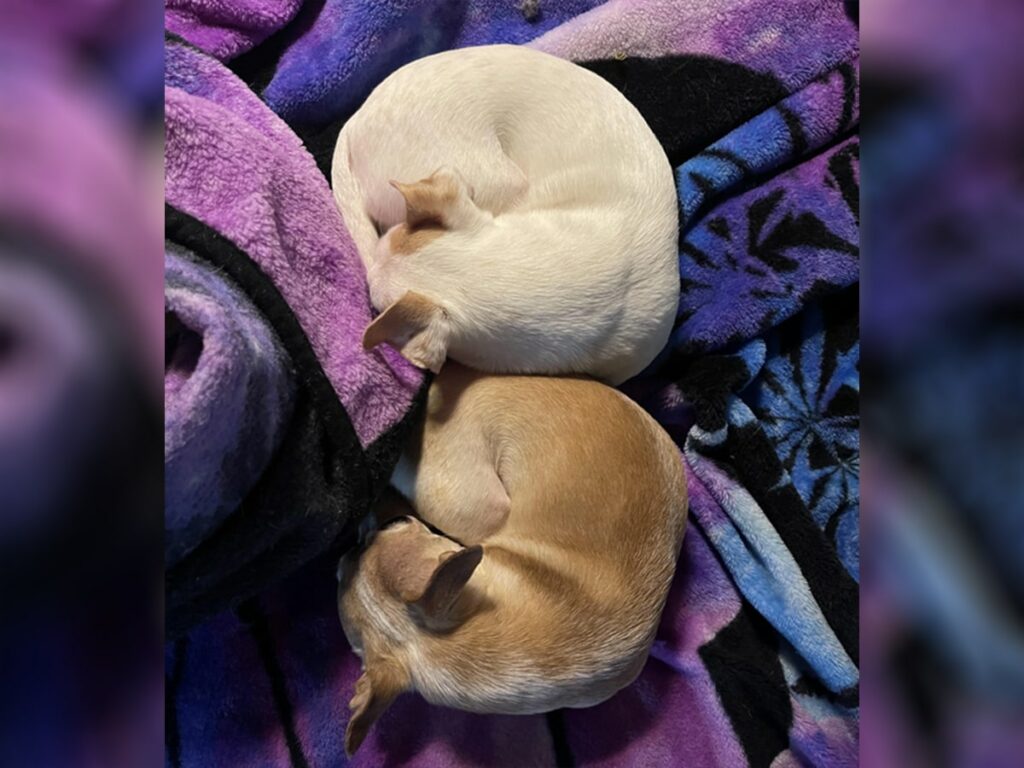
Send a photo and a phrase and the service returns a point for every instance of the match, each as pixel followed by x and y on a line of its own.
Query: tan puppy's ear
pixel 429 581
pixel 453 572
pixel 443 199
pixel 414 325
pixel 376 689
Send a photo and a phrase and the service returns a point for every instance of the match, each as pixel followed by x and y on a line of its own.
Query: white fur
pixel 571 265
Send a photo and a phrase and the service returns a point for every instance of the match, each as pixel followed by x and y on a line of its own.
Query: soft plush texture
pixel 227 28
pixel 228 393
pixel 237 168
pixel 244 197
pixel 756 661
pixel 354 44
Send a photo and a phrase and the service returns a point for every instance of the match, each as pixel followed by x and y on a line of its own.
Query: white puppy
pixel 538 230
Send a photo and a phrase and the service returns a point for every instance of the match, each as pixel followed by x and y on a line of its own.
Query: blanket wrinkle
pixel 229 390
pixel 245 197
pixel 227 28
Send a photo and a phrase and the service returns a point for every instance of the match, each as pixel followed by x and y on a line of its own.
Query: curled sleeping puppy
pixel 514 212
pixel 562 506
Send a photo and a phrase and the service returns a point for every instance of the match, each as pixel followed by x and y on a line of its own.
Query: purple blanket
pixel 244 197
pixel 227 28
pixel 757 660
pixel 228 395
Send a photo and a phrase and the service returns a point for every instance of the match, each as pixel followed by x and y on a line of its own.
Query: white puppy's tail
pixel 351 201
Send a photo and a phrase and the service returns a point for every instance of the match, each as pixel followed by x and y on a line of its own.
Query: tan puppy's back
pixel 562 506
pixel 586 539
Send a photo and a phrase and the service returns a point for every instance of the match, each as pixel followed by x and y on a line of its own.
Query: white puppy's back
pixel 582 256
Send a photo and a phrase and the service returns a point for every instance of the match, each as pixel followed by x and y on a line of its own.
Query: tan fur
pixel 374 693
pixel 416 325
pixel 429 200
pixel 406 239
pixel 578 500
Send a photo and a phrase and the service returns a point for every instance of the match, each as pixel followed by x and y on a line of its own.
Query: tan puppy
pixel 563 506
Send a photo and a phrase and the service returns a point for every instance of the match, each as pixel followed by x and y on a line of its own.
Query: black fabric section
pixel 686 284
pixel 809 685
pixel 320 143
pixel 729 157
pixel 853 11
pixel 703 183
pixel 318 484
pixel 849 75
pixel 720 227
pixel 250 614
pixel 382 454
pixel 560 742
pixel 256 67
pixel 796 131
pixel 803 230
pixel 841 318
pixel 171 37
pixel 695 253
pixel 689 101
pixel 750 455
pixel 683 316
pixel 172 736
pixel 182 346
pixel 707 383
pixel 841 168
pixel 743 663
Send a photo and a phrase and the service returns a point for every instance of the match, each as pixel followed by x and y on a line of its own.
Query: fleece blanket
pixel 228 394
pixel 277 403
pixel 756 661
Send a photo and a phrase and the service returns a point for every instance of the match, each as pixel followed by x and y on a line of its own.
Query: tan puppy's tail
pixel 349 197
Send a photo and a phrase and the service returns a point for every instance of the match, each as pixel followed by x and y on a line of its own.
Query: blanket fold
pixel 244 197
pixel 228 393
pixel 227 28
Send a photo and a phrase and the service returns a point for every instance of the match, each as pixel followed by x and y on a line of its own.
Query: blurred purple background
pixel 81 326
pixel 943 422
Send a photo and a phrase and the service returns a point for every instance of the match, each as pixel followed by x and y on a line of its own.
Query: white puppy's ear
pixel 376 689
pixel 414 325
pixel 443 199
